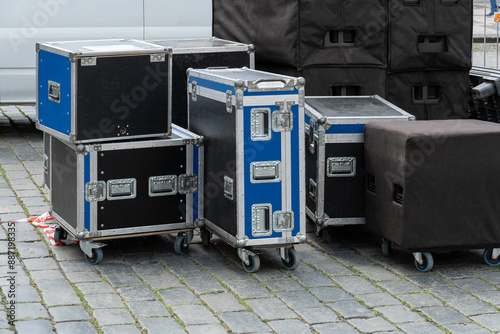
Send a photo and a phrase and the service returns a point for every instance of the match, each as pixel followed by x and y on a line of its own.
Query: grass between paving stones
pixel 24 114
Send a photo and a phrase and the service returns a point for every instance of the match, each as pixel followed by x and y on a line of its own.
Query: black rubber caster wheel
pixel 97 255
pixel 293 260
pixel 253 265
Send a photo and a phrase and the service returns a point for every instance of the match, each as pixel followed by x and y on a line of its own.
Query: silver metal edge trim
pixel 345 221
pixel 240 168
pixel 189 170
pixel 320 182
pixel 94 177
pixel 73 81
pixel 80 192
pixel 345 138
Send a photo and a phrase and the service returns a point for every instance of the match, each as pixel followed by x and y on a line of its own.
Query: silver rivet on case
pixel 102 172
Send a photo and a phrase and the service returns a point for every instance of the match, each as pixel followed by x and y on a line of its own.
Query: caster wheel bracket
pixel 87 246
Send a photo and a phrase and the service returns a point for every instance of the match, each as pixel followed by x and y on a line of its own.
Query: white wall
pixel 23 23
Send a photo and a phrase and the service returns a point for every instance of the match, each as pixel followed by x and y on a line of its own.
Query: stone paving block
pixel 104 300
pixel 113 317
pixel 448 293
pixel 317 315
pixel 204 284
pixel 266 274
pixel 378 273
pixel 26 193
pixel 492 277
pixel 161 326
pixel 289 327
pixel 121 329
pixel 467 329
pixel 471 306
pixel 44 263
pixel 474 284
pixel 164 280
pixel 194 314
pixel 77 266
pixel 298 299
pixel 248 288
pixel 492 297
pixel 378 299
pixel 148 308
pixel 371 325
pixel 418 300
pixel 93 288
pixel 60 294
pixel 490 321
pixel 79 277
pixel 178 296
pixel 42 276
pixel 244 322
pixel 399 287
pixel 24 293
pixel 233 273
pixel 28 311
pixel 10 208
pixel 312 279
pixel 32 249
pixel 28 236
pixel 68 313
pixel 330 294
pixel 123 280
pixel 263 306
pixel 355 285
pixel 11 216
pixel 335 328
pixel 136 293
pixel 455 272
pixel 283 285
pixel 222 302
pixel 399 314
pixel 351 309
pixel 182 266
pixel 419 328
pixel 8 200
pixel 443 315
pixel 75 327
pixel 34 201
pixel 206 329
pixel 34 326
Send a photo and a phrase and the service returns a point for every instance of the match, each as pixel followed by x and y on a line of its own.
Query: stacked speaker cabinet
pixel 430 47
pixel 407 51
pixel 338 46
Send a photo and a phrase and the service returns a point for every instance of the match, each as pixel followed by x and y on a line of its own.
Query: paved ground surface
pixel 141 286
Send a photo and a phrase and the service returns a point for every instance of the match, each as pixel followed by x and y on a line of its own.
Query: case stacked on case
pixel 114 164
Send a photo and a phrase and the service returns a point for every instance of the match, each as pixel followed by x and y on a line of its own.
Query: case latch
pixel 283 118
pixel 188 183
pixel 265 171
pixel 341 166
pixel 95 191
pixel 261 220
pixel 163 185
pixel 121 189
pixel 54 91
pixel 283 221
pixel 228 188
pixel 260 127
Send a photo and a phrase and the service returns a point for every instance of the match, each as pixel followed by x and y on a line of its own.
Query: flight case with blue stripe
pixel 252 122
pixel 126 189
pixel 334 132
pixel 103 90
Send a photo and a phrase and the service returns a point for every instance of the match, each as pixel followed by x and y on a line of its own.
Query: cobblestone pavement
pixel 343 286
